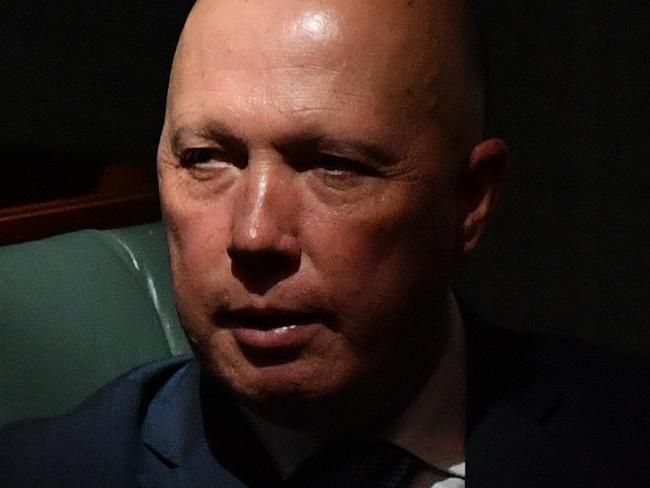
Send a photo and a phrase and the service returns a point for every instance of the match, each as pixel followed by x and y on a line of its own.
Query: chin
pixel 297 408
pixel 299 394
pixel 294 381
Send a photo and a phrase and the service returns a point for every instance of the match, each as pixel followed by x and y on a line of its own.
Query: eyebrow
pixel 215 131
pixel 212 132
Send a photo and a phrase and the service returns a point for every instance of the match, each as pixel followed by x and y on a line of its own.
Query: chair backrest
pixel 77 310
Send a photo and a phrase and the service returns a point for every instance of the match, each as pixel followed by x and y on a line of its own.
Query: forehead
pixel 291 51
pixel 361 29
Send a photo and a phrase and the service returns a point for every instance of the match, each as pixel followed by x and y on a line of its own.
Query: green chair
pixel 77 310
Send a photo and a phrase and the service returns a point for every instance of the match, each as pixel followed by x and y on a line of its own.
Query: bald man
pixel 323 168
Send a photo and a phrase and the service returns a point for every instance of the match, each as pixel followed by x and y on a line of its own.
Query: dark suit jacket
pixel 541 413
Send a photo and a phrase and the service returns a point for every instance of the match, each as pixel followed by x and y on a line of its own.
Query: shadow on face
pixel 321 171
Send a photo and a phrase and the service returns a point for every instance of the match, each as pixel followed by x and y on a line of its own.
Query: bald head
pixel 420 53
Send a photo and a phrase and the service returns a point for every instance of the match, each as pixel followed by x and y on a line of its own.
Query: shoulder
pixel 557 407
pixel 100 436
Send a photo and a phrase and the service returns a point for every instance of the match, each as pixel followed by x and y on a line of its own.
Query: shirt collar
pixel 433 426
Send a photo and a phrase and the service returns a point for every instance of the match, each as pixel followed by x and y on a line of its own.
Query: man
pixel 323 167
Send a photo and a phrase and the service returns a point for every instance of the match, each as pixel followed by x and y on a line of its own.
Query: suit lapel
pixel 177 452
pixel 501 367
pixel 516 409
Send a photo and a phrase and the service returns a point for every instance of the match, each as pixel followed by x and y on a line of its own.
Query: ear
pixel 480 186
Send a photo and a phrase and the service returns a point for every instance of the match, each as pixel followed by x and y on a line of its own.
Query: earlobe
pixel 480 187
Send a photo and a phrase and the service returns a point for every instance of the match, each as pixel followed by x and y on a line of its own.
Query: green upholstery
pixel 77 310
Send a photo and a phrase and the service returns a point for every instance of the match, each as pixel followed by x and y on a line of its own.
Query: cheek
pixel 196 232
pixel 198 240
pixel 379 257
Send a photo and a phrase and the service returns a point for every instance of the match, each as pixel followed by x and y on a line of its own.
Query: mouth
pixel 273 330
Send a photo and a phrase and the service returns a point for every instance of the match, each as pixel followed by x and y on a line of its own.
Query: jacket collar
pixel 177 451
pixel 513 405
pixel 172 427
pixel 501 367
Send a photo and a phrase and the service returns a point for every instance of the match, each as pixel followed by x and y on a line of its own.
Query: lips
pixel 271 328
pixel 266 318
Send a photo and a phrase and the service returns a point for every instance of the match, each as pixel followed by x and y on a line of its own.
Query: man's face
pixel 310 195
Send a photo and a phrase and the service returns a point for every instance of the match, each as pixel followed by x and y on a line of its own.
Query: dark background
pixel 570 250
pixel 83 84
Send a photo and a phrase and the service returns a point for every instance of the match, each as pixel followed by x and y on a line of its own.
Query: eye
pixel 194 157
pixel 340 166
pixel 335 164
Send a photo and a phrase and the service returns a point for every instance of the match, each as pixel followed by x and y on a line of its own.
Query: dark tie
pixel 378 465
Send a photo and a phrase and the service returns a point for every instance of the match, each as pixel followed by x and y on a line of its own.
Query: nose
pixel 264 248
